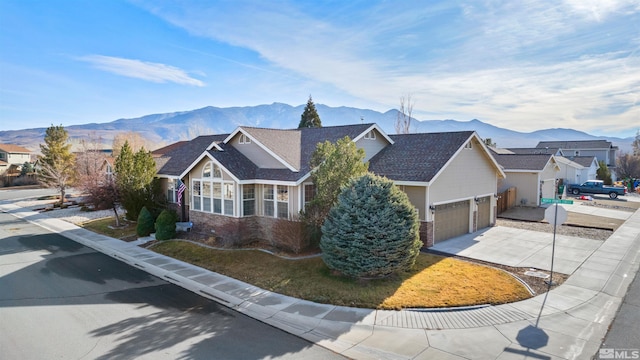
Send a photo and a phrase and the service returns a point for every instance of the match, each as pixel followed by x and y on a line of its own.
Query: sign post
pixel 555 215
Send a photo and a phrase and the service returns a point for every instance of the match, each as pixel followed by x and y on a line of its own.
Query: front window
pixel 171 190
pixel 268 200
pixel 371 135
pixel 248 200
pixel 283 201
pixel 206 196
pixel 206 171
pixel 309 193
pixel 217 198
pixel 196 195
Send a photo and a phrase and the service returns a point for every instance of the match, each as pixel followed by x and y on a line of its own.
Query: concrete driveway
pixel 526 248
pixel 521 248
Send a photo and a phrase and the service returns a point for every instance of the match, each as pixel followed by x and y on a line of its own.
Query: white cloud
pixel 524 65
pixel 154 72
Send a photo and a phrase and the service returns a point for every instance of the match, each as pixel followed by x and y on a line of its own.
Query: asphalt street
pixel 61 300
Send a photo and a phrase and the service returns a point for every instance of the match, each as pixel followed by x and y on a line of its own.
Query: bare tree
pixel 403 121
pixel 628 166
pixel 135 140
pixel 92 177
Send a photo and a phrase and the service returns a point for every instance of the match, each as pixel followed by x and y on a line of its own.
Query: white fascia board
pixel 202 156
pixel 376 127
pixel 267 182
pixel 411 183
pixel 522 171
pixel 448 201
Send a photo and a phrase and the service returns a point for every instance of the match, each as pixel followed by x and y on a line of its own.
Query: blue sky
pixel 522 65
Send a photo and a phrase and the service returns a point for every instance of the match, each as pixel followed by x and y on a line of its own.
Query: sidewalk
pixel 568 322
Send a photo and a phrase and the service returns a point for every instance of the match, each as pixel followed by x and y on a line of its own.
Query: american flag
pixel 181 188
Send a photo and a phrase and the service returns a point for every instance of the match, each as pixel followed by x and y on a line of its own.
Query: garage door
pixel 451 220
pixel 484 212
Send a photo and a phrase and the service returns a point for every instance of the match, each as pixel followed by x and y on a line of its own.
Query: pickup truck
pixel 596 187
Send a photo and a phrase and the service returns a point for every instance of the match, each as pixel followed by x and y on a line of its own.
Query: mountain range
pixel 163 129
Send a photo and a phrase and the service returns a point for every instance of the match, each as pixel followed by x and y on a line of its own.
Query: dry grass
pixel 107 226
pixel 435 281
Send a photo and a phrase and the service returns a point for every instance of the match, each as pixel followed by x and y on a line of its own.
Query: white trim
pixel 372 127
pixel 207 154
pixel 453 201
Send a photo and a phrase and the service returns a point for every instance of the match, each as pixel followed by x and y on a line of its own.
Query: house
pixel 250 185
pixel 577 170
pixel 12 157
pixel 603 150
pixel 532 174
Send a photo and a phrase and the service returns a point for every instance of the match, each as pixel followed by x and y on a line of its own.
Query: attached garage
pixel 484 212
pixel 451 220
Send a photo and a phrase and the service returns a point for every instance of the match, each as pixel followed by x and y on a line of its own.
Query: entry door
pixel 451 220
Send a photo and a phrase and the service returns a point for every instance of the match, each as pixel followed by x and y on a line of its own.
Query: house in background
pixel 577 170
pixel 602 150
pixel 532 174
pixel 251 185
pixel 12 157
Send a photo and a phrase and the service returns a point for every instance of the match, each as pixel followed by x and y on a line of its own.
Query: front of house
pixel 251 185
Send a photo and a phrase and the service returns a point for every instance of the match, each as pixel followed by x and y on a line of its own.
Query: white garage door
pixel 451 220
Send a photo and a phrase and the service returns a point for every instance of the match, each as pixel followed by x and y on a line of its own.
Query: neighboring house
pixel 603 150
pixel 577 170
pixel 12 157
pixel 533 175
pixel 251 185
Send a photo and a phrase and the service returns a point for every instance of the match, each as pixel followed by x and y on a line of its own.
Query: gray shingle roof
pixel 585 161
pixel 532 151
pixel 578 144
pixel 284 143
pixel 176 161
pixel 533 162
pixel 417 157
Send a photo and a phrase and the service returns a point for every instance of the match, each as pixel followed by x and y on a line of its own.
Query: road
pixel 61 300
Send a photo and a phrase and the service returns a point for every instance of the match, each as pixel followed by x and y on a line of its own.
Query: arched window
pixel 206 171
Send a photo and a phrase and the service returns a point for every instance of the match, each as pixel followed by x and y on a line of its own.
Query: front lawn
pixel 435 281
pixel 107 226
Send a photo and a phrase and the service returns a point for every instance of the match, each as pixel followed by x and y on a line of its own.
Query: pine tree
pixel 135 181
pixel 373 231
pixel 57 162
pixel 310 117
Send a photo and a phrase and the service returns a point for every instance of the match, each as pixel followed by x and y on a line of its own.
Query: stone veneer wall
pixel 283 234
pixel 426 233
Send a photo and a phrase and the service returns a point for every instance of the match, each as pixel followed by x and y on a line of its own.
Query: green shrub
pixel 372 231
pixel 166 225
pixel 145 223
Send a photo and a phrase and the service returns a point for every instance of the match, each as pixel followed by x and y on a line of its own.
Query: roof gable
pixel 420 157
pixel 175 162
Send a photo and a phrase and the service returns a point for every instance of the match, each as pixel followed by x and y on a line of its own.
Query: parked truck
pixel 597 187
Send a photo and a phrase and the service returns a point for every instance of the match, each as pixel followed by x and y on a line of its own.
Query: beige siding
pixel 469 174
pixel 257 155
pixel 548 179
pixel 417 195
pixel 527 185
pixel 372 146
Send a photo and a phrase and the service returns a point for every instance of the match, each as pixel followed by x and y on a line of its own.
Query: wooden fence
pixel 506 200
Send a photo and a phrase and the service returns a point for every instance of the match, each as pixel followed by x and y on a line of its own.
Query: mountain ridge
pixel 165 128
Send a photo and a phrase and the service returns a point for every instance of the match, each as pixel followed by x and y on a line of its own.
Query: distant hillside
pixel 163 129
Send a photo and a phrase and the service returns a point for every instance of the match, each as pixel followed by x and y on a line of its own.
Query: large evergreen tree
pixel 135 181
pixel 372 231
pixel 603 173
pixel 57 162
pixel 310 117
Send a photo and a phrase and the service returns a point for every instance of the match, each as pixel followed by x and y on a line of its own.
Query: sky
pixel 522 65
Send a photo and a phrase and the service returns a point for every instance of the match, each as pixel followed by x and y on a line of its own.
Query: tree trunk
pixel 115 211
